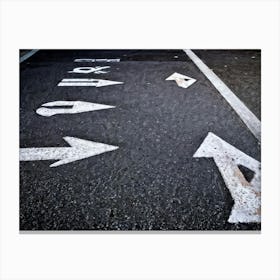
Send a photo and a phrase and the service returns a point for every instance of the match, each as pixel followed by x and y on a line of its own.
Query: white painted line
pixel 181 80
pixel 77 107
pixel 251 121
pixel 87 83
pixel 87 70
pixel 97 60
pixel 27 55
pixel 80 149
pixel 246 195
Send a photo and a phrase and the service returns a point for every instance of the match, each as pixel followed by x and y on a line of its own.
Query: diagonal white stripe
pixel 251 121
pixel 27 55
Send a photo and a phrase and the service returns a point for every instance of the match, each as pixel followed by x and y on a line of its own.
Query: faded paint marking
pixel 75 107
pixel 246 195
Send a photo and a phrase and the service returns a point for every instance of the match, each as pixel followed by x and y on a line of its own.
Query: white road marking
pixel 87 70
pixel 80 149
pixel 77 107
pixel 251 121
pixel 87 83
pixel 97 60
pixel 27 55
pixel 246 195
pixel 181 80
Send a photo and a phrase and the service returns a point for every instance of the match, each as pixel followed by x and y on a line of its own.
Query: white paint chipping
pixel 181 80
pixel 87 83
pixel 80 149
pixel 87 70
pixel 97 60
pixel 27 55
pixel 76 107
pixel 246 195
pixel 251 121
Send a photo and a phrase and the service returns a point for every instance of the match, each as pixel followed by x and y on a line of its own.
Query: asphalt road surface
pixel 152 181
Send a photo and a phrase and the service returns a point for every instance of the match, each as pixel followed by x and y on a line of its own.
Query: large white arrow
pixel 87 83
pixel 181 80
pixel 246 195
pixel 75 107
pixel 79 149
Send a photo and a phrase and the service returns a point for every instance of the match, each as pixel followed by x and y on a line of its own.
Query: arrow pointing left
pixel 75 107
pixel 79 149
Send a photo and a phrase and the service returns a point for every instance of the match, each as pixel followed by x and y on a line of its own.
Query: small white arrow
pixel 87 83
pixel 246 195
pixel 181 80
pixel 77 107
pixel 80 149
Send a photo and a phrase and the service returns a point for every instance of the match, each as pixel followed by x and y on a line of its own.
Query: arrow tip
pixel 82 149
pixel 102 83
pixel 172 77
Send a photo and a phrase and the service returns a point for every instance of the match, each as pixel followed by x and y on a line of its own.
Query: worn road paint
pixel 87 70
pixel 251 121
pixel 181 80
pixel 80 149
pixel 97 60
pixel 87 83
pixel 76 107
pixel 27 55
pixel 246 195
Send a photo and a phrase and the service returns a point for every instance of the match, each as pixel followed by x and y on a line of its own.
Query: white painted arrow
pixel 77 107
pixel 87 83
pixel 246 195
pixel 181 80
pixel 80 149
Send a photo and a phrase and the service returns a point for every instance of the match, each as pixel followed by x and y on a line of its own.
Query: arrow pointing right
pixel 181 80
pixel 76 107
pixel 79 149
pixel 87 83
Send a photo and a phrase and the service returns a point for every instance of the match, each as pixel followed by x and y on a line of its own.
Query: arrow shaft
pixel 80 80
pixel 77 107
pixel 81 84
pixel 54 111
pixel 30 154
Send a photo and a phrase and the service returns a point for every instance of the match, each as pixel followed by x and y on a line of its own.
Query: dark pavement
pixel 240 70
pixel 152 182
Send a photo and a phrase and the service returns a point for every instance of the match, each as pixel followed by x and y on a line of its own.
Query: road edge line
pixel 27 55
pixel 251 121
